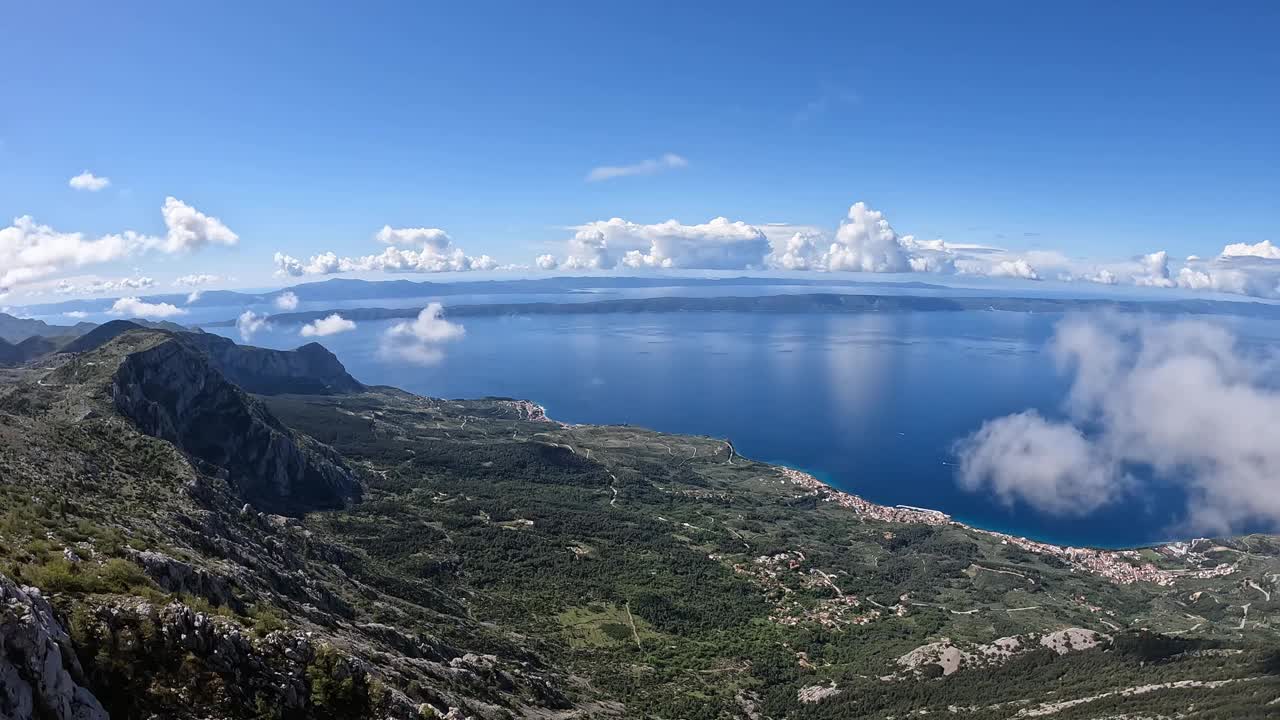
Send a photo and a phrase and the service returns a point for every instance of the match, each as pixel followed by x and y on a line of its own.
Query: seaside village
pixel 1120 566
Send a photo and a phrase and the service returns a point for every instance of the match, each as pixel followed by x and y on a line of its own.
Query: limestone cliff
pixel 173 392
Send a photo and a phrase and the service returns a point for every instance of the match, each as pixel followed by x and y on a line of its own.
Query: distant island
pixel 808 303
pixel 349 289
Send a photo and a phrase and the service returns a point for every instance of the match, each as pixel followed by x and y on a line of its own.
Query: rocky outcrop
pixel 173 392
pixel 180 577
pixel 39 675
pixel 308 370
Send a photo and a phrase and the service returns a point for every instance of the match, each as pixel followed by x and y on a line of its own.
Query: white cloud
pixel 798 252
pixel 719 244
pixel 1183 400
pixel 435 253
pixel 194 295
pixel 425 237
pixel 30 251
pixel 286 301
pixel 195 280
pixel 1019 268
pixel 1049 465
pixel 547 262
pixel 1262 249
pixel 1103 277
pixel 588 250
pixel 330 325
pixel 77 314
pixel 89 182
pixel 136 307
pixel 102 287
pixel 250 323
pixel 189 229
pixel 650 166
pixel 1238 274
pixel 866 242
pixel 419 341
pixel 1155 270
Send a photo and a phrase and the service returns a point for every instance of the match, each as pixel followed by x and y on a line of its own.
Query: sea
pixel 873 404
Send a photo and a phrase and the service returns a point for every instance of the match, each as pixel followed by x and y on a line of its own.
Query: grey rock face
pixel 308 370
pixel 38 670
pixel 171 391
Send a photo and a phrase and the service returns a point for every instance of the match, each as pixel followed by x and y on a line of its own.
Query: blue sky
pixel 1094 132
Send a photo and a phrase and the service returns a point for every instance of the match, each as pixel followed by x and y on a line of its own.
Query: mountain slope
pixel 494 564
pixel 171 391
pixel 14 329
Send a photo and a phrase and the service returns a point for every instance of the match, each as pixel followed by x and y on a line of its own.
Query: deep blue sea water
pixel 871 403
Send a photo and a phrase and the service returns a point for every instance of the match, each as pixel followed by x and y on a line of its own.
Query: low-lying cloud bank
pixel 410 250
pixel 864 241
pixel 1185 401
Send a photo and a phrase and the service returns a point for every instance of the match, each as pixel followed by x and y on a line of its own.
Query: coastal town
pixel 1119 566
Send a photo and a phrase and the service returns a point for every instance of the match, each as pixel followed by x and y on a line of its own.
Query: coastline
pixel 1119 566
pixel 829 480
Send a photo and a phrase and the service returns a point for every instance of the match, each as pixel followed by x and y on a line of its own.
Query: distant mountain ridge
pixel 43 339
pixel 350 289
pixel 814 303
pixel 16 329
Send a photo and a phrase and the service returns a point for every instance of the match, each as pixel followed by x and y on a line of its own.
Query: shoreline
pixel 1119 566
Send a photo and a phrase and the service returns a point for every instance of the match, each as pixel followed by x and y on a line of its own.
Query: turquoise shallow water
pixel 870 403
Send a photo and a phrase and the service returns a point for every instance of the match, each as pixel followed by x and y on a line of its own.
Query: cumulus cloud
pixel 89 182
pixel 30 251
pixel 1262 249
pixel 866 242
pixel 250 323
pixel 195 280
pixel 419 341
pixel 547 262
pixel 331 325
pixel 189 229
pixel 650 166
pixel 434 253
pixel 136 307
pixel 719 244
pixel 1102 276
pixel 798 252
pixel 1049 465
pixel 286 301
pixel 1018 268
pixel 77 314
pixel 1155 270
pixel 194 295
pixel 425 237
pixel 101 287
pixel 1184 401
